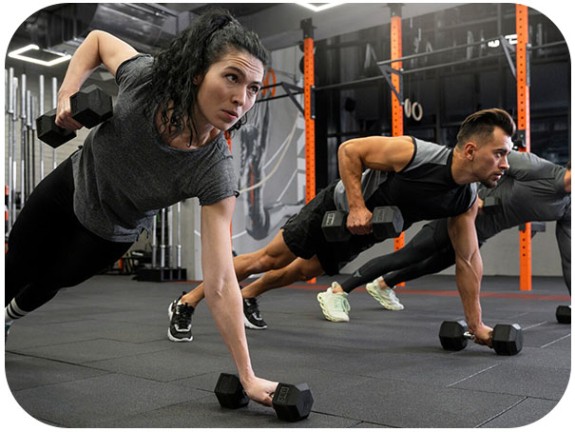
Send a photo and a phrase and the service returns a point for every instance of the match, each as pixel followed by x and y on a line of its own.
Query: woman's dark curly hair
pixel 191 54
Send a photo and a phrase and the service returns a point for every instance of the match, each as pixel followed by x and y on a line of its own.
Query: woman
pixel 164 144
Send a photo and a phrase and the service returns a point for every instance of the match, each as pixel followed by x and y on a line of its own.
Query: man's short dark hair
pixel 480 125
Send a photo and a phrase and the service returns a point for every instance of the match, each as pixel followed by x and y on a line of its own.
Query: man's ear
pixel 469 150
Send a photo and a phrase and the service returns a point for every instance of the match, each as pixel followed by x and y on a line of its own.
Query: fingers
pixel 64 117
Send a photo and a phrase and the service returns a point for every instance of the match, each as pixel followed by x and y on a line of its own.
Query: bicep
pixel 215 229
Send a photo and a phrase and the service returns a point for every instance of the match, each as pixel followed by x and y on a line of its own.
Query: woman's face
pixel 229 89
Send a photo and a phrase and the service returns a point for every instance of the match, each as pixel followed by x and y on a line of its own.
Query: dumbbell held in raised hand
pixel 507 339
pixel 90 107
pixel 386 222
pixel 290 402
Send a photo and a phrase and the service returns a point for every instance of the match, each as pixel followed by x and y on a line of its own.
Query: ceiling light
pixel 42 57
pixel 317 7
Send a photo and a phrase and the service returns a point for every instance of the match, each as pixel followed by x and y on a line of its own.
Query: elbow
pixel 346 151
pixel 213 289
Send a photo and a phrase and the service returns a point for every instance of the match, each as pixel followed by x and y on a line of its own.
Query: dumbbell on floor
pixel 90 107
pixel 563 314
pixel 386 222
pixel 290 402
pixel 507 339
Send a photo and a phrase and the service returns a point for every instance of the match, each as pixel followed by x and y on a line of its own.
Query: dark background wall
pixel 448 84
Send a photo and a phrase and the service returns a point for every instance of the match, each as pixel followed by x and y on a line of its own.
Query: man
pixel 425 180
pixel 532 190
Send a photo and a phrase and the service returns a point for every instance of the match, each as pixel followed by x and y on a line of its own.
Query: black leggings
pixel 429 252
pixel 48 248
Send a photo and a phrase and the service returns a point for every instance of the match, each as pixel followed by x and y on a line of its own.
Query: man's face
pixel 489 159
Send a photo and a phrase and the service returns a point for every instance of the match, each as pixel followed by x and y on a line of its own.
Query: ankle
pixel 382 284
pixel 188 302
pixel 336 288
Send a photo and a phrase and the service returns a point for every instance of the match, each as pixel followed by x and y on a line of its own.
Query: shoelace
pixel 252 307
pixel 183 315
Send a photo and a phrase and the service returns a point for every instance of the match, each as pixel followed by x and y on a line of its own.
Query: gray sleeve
pixel 130 70
pixel 218 181
pixel 525 166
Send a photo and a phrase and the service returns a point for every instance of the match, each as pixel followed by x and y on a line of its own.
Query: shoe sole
pixel 373 292
pixel 325 312
pixel 248 324
pixel 172 338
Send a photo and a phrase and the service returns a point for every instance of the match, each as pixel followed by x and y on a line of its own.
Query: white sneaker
pixel 335 307
pixel 386 297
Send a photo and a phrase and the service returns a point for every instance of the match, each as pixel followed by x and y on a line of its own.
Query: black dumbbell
pixel 563 314
pixel 230 392
pixel 90 107
pixel 290 402
pixel 507 339
pixel 386 222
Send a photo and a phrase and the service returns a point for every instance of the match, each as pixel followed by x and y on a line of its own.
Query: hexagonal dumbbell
pixel 90 107
pixel 334 226
pixel 230 392
pixel 290 402
pixel 506 339
pixel 386 222
pixel 563 314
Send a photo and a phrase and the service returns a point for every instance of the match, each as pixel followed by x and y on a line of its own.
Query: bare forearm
pixel 350 170
pixel 468 279
pixel 226 308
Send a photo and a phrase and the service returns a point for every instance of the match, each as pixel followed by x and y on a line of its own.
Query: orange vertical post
pixel 309 113
pixel 396 104
pixel 309 117
pixel 523 124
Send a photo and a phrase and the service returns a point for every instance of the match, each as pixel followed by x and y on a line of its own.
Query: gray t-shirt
pixel 125 172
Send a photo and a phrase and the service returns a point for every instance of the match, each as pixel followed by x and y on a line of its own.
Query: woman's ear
pixel 197 80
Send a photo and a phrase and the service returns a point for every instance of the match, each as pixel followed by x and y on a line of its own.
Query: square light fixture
pixel 40 56
pixel 317 7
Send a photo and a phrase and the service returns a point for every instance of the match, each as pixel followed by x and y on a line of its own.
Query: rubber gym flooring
pixel 98 356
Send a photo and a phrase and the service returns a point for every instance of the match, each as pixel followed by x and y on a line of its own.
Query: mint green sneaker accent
pixel 335 307
pixel 386 297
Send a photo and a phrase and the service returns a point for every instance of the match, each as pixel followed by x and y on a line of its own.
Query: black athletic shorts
pixel 303 235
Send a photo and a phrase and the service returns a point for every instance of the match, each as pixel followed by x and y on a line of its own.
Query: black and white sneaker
pixel 180 321
pixel 252 317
